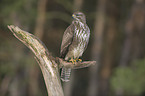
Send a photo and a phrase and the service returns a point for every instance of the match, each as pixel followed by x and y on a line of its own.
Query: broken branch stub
pixel 77 65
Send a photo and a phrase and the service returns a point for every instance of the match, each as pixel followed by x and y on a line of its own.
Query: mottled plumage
pixel 74 42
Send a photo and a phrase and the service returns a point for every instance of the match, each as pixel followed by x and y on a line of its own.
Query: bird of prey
pixel 74 42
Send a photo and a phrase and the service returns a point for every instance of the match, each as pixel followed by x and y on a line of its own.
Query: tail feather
pixel 65 74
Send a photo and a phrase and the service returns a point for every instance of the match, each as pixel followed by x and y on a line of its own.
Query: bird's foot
pixel 80 60
pixel 73 60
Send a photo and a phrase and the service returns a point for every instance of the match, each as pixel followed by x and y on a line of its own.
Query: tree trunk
pixel 133 48
pixel 97 46
pixel 46 62
pixel 110 47
pixel 77 5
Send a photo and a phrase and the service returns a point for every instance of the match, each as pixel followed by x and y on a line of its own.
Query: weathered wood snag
pixel 49 65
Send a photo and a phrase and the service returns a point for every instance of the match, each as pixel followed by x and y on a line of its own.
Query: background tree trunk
pixel 97 46
pixel 78 5
pixel 133 47
pixel 109 51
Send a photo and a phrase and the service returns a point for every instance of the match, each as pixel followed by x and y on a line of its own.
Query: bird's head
pixel 79 16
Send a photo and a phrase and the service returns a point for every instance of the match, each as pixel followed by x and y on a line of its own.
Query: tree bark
pixel 46 61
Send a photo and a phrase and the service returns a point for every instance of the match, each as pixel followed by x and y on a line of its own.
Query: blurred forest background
pixel 117 43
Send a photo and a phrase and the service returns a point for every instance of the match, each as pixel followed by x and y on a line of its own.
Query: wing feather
pixel 87 39
pixel 67 40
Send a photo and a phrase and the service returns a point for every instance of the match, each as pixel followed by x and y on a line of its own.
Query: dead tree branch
pixel 48 64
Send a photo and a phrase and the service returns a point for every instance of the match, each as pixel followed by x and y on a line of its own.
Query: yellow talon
pixel 80 60
pixel 75 60
pixel 72 60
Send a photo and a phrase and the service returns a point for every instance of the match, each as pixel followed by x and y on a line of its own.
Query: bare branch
pixel 46 62
pixel 77 65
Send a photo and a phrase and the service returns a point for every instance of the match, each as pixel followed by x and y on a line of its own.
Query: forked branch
pixel 48 64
